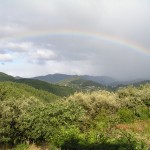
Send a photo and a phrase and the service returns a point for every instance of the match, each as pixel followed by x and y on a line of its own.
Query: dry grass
pixel 141 129
pixel 44 146
pixel 34 147
pixel 138 126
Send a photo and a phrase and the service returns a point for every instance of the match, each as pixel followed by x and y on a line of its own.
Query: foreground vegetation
pixel 99 120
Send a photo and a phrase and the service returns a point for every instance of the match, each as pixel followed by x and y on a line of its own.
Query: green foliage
pixel 142 112
pixel 11 115
pixel 131 142
pixel 101 142
pixel 30 120
pixel 131 96
pixel 17 90
pixel 22 147
pixel 64 134
pixel 136 100
pixel 78 122
pixel 126 115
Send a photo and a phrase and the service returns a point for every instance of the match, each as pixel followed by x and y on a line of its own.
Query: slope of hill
pixel 5 77
pixel 81 84
pixel 18 90
pixel 41 85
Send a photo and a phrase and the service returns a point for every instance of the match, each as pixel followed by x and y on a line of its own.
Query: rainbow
pixel 85 34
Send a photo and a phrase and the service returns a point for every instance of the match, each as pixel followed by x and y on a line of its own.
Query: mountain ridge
pixel 38 84
pixel 56 78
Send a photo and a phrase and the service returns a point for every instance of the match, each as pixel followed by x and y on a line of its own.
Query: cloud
pixel 31 52
pixel 5 58
pixel 15 46
pixel 41 56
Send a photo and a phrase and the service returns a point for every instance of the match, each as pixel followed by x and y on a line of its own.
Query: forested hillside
pixel 81 84
pixel 56 78
pixel 11 90
pixel 98 120
pixel 5 77
pixel 40 85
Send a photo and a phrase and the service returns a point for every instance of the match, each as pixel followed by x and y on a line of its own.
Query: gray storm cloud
pixel 124 19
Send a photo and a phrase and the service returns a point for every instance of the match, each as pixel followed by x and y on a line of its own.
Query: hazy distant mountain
pixel 133 82
pixel 104 80
pixel 141 82
pixel 56 78
pixel 18 77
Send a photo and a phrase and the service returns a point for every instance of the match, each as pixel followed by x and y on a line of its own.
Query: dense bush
pixel 126 115
pixel 136 100
pixel 11 115
pixel 47 123
pixel 81 121
pixel 132 96
pixel 94 102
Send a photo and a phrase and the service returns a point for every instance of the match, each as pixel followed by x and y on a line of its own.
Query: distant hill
pixel 104 80
pixel 40 85
pixel 64 85
pixel 56 78
pixel 18 77
pixel 81 84
pixel 116 83
pixel 141 82
pixel 136 82
pixel 5 77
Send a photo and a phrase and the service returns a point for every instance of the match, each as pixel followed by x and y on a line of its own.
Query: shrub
pixel 22 147
pixel 130 142
pixel 126 115
pixel 94 102
pixel 142 112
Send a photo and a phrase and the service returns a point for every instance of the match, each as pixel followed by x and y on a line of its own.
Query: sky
pixel 93 37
